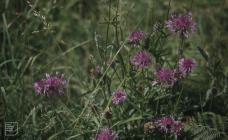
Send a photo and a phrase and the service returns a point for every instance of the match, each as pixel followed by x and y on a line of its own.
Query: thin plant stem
pixel 181 48
pixel 117 40
pixel 180 55
pixel 167 17
pixel 191 4
pixel 109 20
pixel 104 54
pixel 178 100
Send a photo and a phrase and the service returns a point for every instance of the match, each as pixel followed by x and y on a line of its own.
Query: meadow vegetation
pixel 114 69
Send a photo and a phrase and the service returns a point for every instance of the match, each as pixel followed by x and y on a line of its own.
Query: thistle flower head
pixel 51 85
pixel 182 25
pixel 136 36
pixel 186 66
pixel 107 134
pixel 165 123
pixel 165 77
pixel 169 125
pixel 141 60
pixel 119 97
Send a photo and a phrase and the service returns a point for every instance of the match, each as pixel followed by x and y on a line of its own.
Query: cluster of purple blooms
pixel 51 85
pixel 169 125
pixel 141 59
pixel 182 25
pixel 119 97
pixel 164 76
pixel 107 134
pixel 169 77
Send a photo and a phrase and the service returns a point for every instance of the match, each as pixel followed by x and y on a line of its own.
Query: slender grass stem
pixel 167 17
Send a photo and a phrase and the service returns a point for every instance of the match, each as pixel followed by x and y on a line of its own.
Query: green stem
pixel 123 68
pixel 178 100
pixel 191 4
pixel 168 9
pixel 109 18
pixel 181 49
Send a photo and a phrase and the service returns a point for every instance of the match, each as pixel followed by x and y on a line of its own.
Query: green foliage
pixel 208 126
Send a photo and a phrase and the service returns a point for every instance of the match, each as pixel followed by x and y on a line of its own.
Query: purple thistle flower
pixel 177 128
pixel 164 124
pixel 141 60
pixel 107 134
pixel 169 125
pixel 187 65
pixel 182 25
pixel 165 77
pixel 119 97
pixel 51 85
pixel 136 37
